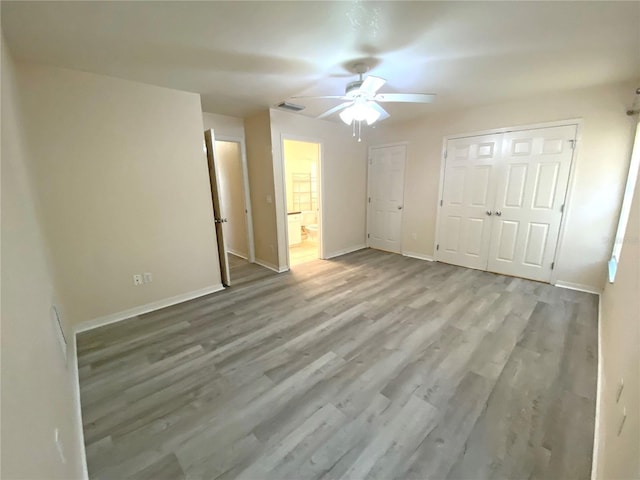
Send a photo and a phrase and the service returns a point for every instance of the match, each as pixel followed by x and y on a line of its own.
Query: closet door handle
pixel 489 212
pixel 498 213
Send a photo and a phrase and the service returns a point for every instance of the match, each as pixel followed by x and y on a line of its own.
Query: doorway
pixel 302 191
pixel 232 214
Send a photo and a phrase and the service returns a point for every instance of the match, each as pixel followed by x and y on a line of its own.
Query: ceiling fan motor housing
pixel 353 88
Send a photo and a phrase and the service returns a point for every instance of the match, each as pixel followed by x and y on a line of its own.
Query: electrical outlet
pixel 137 279
pixel 414 235
pixel 147 277
pixel 269 198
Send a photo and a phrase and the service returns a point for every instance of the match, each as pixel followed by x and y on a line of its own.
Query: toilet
pixel 312 230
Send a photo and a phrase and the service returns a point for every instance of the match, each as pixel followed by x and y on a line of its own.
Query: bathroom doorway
pixel 302 187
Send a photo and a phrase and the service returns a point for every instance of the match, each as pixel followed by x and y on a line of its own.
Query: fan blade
pixel 334 109
pixel 405 97
pixel 341 97
pixel 372 84
pixel 383 113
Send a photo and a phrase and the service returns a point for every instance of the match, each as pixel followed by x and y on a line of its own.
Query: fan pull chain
pixel 353 124
pixel 359 130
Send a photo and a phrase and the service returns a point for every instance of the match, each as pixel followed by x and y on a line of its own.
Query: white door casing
pixel 523 199
pixel 386 197
pixel 467 201
pixel 533 177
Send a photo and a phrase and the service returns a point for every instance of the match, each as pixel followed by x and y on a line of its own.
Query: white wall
pixel 37 386
pixel 619 455
pixel 124 187
pixel 602 159
pixel 343 173
pixel 223 125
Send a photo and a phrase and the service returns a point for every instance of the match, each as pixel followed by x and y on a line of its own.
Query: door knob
pixel 489 212
pixel 498 213
pixel 400 207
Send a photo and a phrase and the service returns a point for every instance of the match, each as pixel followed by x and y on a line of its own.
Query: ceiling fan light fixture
pixel 361 112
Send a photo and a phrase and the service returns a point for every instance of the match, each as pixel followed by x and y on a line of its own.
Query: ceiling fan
pixel 362 102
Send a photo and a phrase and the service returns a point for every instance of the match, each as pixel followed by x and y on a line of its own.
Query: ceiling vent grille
pixel 291 106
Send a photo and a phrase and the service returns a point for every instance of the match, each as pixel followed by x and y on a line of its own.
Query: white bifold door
pixel 386 197
pixel 503 200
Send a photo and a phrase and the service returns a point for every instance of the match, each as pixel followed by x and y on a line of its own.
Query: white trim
pixel 596 430
pixel 557 259
pixel 238 254
pixel 385 145
pixel 271 266
pixel 149 307
pixel 75 378
pixel 419 256
pixel 246 193
pixel 579 287
pixel 344 251
pixel 516 128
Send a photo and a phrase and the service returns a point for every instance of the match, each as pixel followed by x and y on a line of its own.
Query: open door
pixel 217 207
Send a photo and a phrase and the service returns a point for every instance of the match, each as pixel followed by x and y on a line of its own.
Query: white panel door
pixel 530 193
pixel 468 195
pixel 386 197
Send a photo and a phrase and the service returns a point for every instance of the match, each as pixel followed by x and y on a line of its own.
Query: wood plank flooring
pixel 241 271
pixel 372 365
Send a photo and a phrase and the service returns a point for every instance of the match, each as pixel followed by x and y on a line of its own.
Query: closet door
pixel 530 193
pixel 467 202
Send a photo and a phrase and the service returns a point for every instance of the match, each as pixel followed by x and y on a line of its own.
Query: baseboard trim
pixel 344 251
pixel 578 287
pixel 238 254
pixel 596 430
pixel 75 378
pixel 271 266
pixel 142 309
pixel 419 256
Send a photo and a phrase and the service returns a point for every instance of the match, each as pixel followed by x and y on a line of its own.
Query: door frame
pixel 577 122
pixel 245 191
pixel 404 189
pixel 321 195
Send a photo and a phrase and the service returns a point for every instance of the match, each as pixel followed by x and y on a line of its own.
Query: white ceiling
pixel 245 56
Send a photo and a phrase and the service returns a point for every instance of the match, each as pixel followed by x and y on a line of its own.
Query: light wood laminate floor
pixel 241 271
pixel 372 365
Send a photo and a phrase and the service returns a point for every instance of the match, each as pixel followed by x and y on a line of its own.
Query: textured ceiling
pixel 245 56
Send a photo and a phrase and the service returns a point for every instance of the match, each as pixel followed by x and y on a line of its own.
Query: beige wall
pixel 619 456
pixel 602 159
pixel 223 125
pixel 343 178
pixel 37 386
pixel 261 187
pixel 229 165
pixel 123 181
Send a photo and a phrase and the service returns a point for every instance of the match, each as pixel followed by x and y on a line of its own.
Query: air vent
pixel 291 106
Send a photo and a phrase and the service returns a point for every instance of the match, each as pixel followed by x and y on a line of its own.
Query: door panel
pixel 530 191
pixel 386 198
pixel 469 189
pixel 217 207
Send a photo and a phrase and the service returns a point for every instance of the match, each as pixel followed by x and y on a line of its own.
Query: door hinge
pixel 562 208
pixel 445 154
pixel 438 247
pixel 368 235
pixel 573 144
pixel 440 202
pixel 553 264
pixel 369 199
pixel 370 161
